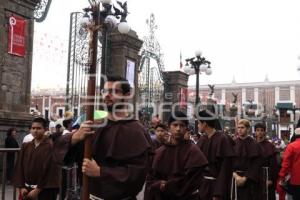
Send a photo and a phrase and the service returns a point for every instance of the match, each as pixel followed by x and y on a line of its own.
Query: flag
pixel 181 60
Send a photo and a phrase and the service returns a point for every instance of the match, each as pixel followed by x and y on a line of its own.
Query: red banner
pixel 16 36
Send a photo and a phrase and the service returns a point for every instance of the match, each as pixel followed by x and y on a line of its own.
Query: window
pixel 46 111
pixel 60 111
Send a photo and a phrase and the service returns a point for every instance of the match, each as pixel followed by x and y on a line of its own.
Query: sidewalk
pixel 8 192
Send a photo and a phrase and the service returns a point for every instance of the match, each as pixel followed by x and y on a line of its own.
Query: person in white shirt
pixel 28 137
pixel 52 127
pixel 67 123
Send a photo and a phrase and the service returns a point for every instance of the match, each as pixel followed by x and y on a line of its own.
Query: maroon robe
pixel 269 160
pixel 156 144
pixel 35 166
pixel 181 166
pixel 247 163
pixel 219 152
pixel 121 149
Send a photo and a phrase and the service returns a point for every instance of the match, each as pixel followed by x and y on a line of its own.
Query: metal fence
pixel 4 152
pixel 69 189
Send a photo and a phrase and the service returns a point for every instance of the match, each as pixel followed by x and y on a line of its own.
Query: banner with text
pixel 16 36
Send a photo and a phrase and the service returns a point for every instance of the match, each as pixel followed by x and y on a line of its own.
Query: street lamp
pixel 104 16
pixel 298 67
pixel 100 16
pixel 294 109
pixel 196 65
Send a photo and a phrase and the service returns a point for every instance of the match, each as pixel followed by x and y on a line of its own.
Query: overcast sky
pixel 245 39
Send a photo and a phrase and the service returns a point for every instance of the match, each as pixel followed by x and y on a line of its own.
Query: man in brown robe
pixel 270 166
pixel 177 167
pixel 160 133
pixel 120 149
pixel 35 174
pixel 218 150
pixel 246 164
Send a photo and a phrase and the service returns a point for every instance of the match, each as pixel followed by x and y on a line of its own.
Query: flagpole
pixel 181 65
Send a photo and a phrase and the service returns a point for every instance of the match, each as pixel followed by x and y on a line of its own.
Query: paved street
pixel 9 193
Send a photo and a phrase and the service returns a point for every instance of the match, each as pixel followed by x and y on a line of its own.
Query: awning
pixel 285 105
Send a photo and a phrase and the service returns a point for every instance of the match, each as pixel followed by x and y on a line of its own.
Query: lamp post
pixel 196 65
pixel 99 17
pixel 294 116
pixel 294 110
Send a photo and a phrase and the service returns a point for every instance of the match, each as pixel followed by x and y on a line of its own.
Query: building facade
pixel 278 100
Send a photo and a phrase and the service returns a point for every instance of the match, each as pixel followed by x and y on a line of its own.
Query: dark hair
pixel 260 125
pixel 10 131
pixel 207 117
pixel 66 122
pixel 160 125
pixel 178 116
pixel 125 86
pixel 40 120
pixel 58 126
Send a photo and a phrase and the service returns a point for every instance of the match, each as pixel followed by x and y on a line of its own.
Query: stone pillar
pixel 292 94
pixel 223 99
pixel 50 107
pixel 123 54
pixel 43 105
pixel 15 71
pixel 256 95
pixel 174 82
pixel 277 93
pixel 243 95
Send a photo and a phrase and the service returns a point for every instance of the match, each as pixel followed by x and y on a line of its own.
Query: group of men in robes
pixel 120 153
pixel 255 167
pixel 241 168
pixel 123 159
pixel 177 166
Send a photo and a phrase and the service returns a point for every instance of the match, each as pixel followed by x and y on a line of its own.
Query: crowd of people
pixel 169 162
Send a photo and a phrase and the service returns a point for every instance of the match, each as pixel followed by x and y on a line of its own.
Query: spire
pixel 266 78
pixel 233 79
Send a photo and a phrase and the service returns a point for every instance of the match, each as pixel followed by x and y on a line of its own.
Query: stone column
pixel 50 107
pixel 15 71
pixel 123 53
pixel 292 94
pixel 174 82
pixel 256 95
pixel 277 93
pixel 223 96
pixel 43 105
pixel 243 95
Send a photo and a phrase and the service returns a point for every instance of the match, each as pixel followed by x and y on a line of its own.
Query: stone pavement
pixel 9 193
